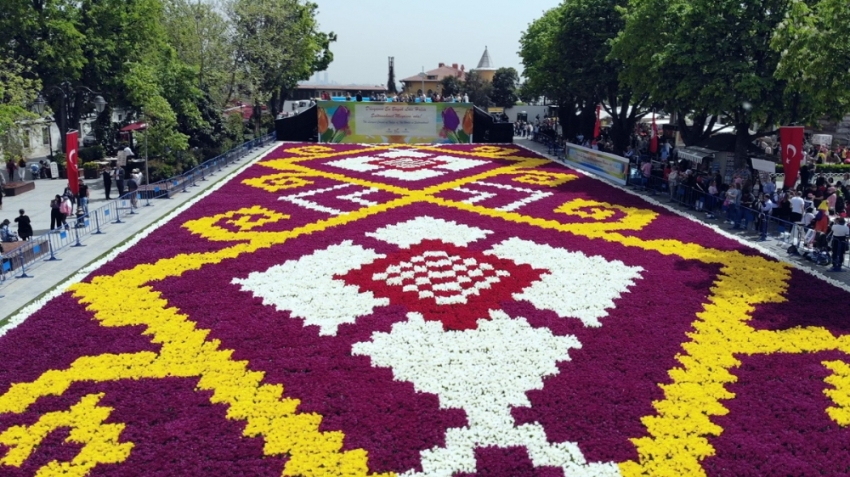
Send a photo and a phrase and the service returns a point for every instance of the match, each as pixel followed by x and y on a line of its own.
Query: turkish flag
pixel 653 142
pixel 72 141
pixel 791 138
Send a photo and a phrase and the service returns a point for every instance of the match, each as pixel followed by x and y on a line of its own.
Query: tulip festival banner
pixel 354 310
pixel 383 123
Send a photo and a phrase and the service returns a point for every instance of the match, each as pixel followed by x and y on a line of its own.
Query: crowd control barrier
pixel 48 247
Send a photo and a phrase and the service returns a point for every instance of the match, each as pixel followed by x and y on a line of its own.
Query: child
pixel 81 218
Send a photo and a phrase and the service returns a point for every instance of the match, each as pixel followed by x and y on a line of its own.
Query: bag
pixel 65 207
pixel 132 185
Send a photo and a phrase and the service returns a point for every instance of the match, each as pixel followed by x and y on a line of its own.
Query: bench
pixel 32 250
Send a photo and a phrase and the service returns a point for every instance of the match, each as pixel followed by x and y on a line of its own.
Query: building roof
pixel 343 87
pixel 486 63
pixel 442 71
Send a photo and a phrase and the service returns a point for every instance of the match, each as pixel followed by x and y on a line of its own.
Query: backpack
pixel 65 206
pixel 132 185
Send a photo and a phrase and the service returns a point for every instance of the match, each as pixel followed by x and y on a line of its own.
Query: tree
pixel 504 93
pixel 722 58
pixel 815 53
pixel 277 44
pixel 478 90
pixel 199 34
pixel 17 92
pixel 451 86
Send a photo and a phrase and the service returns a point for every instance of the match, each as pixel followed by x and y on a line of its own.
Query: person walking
pixel 24 225
pixel 840 231
pixel 118 176
pixel 107 181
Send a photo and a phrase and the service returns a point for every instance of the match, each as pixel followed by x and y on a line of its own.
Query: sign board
pixel 411 123
pixel 822 139
pixel 54 170
pixel 609 166
pixel 764 166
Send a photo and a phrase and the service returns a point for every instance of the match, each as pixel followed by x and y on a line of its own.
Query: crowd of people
pixel 431 97
pixel 816 207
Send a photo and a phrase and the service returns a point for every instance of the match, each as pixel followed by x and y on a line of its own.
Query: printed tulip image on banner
pixel 442 310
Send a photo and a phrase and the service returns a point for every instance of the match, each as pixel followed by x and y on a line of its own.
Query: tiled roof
pixel 440 73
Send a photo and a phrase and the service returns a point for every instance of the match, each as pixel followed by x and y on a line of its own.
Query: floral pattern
pixel 334 310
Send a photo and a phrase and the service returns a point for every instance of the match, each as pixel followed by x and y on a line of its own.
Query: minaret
pixel 485 68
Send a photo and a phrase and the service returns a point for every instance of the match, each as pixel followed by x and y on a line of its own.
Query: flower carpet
pixel 353 310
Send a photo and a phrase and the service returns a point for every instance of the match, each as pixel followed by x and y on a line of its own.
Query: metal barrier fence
pixel 46 247
pixel 805 241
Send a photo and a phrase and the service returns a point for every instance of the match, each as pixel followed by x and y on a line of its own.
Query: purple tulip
pixel 340 118
pixel 450 119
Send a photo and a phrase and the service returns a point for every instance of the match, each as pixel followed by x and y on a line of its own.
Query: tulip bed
pixel 460 310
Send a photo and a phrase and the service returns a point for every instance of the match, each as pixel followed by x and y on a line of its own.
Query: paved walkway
pixel 773 245
pixel 18 292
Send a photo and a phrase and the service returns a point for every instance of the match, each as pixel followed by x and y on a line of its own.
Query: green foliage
pixel 478 90
pixel 567 57
pixel 760 63
pixel 539 58
pixel 89 154
pixel 175 64
pixel 823 169
pixel 17 91
pixel 451 86
pixel 504 93
pixel 277 44
pixel 814 48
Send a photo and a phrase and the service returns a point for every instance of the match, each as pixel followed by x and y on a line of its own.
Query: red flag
pixel 653 142
pixel 791 139
pixel 72 141
pixel 597 130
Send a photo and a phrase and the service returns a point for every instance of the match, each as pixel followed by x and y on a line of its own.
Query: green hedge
pixel 823 169
pixel 94 153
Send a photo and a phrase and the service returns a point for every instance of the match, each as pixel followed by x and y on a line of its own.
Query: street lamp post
pixel 423 75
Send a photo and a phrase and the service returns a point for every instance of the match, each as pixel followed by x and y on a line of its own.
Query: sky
pixel 422 34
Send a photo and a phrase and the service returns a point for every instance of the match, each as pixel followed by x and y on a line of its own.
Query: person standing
pixel 66 208
pixel 22 169
pixel 24 225
pixel 133 185
pixel 797 207
pixel 10 169
pixel 55 220
pixel 118 176
pixel 2 186
pixel 83 197
pixel 107 181
pixel 840 231
pixel 765 210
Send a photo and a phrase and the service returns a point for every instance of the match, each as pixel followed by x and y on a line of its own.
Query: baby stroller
pixel 819 251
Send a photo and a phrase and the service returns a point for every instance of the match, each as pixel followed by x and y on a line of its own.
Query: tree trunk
pixel 568 119
pixel 742 140
pixel 587 119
